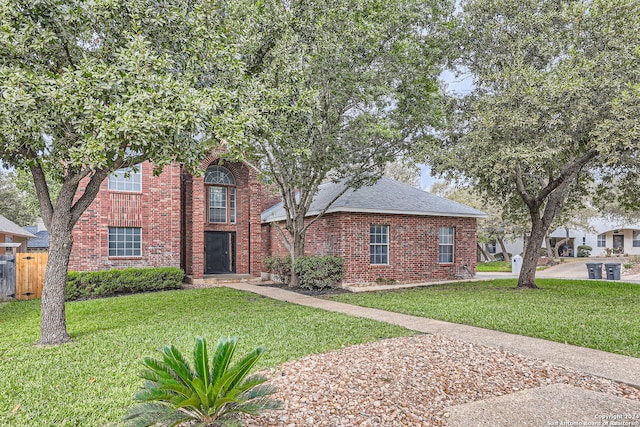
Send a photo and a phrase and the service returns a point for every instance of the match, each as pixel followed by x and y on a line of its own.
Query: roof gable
pixel 10 227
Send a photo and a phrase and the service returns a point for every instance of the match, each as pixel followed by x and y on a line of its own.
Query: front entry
pixel 618 243
pixel 220 252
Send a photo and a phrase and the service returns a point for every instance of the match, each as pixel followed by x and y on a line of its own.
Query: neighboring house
pixel 607 237
pixel 39 243
pixel 13 238
pixel 223 223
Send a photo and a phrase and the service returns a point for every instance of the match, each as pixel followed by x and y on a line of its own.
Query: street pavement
pixel 569 269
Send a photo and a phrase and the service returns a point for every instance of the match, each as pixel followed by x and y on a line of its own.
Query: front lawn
pixel 91 381
pixel 601 315
pixel 494 266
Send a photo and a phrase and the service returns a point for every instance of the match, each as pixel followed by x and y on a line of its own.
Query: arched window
pixel 221 194
pixel 219 175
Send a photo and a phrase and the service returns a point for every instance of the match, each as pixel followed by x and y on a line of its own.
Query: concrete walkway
pixel 553 403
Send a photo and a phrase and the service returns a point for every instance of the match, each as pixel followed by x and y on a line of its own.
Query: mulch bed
pixel 309 292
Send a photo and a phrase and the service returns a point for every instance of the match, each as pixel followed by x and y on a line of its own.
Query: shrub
pixel 319 272
pixel 584 250
pixel 210 391
pixel 93 284
pixel 500 257
pixel 280 267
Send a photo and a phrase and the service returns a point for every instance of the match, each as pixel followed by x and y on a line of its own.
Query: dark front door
pixel 219 248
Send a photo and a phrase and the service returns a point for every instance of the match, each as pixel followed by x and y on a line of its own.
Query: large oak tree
pixel 89 87
pixel 346 86
pixel 554 105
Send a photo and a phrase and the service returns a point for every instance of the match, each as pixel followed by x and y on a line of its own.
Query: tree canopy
pixel 91 87
pixel 554 106
pixel 345 87
pixel 14 203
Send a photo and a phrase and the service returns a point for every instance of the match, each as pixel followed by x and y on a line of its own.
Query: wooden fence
pixel 30 269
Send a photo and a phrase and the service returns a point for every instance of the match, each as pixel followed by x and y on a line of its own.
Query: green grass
pixel 494 266
pixel 600 315
pixel 91 380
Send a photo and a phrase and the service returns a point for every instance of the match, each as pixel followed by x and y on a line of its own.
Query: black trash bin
pixel 595 270
pixel 613 271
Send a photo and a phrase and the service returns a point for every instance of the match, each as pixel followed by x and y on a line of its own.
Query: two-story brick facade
pixel 222 223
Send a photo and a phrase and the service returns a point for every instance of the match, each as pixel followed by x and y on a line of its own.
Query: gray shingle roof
pixel 10 227
pixel 385 196
pixel 41 239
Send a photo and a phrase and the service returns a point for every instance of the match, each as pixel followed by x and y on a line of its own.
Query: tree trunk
pixel 53 326
pixel 531 254
pixel 505 253
pixel 297 251
pixel 483 251
pixel 547 242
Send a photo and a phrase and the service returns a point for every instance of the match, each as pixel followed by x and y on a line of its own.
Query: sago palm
pixel 209 393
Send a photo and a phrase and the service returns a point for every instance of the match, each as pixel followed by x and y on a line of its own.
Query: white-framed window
pixel 125 241
pixel 602 240
pixel 217 204
pixel 127 179
pixel 379 244
pixel 446 238
pixel 492 247
pixel 636 239
pixel 221 195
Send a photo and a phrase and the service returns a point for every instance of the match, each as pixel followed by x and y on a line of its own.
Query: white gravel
pixel 409 381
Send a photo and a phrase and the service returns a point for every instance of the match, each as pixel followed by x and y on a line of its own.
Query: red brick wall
pixel 413 247
pixel 250 197
pixel 156 210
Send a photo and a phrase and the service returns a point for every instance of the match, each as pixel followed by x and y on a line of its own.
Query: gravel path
pixel 409 381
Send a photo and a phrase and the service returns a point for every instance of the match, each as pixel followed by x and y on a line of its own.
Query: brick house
pixel 389 230
pixel 223 223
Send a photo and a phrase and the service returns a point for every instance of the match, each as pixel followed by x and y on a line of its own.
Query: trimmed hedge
pixel 94 284
pixel 319 272
pixel 584 250
pixel 280 267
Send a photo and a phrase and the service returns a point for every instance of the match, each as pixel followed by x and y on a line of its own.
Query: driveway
pixel 570 270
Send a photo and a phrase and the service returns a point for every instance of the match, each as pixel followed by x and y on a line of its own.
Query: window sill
pixel 120 258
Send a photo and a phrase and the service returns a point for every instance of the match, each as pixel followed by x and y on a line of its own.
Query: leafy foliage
pixel 319 272
pixel 94 284
pixel 584 250
pixel 14 203
pixel 554 106
pixel 209 391
pixel 346 86
pixel 91 87
pixel 280 267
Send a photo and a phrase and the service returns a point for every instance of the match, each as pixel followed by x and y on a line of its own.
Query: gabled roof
pixel 385 196
pixel 41 239
pixel 10 227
